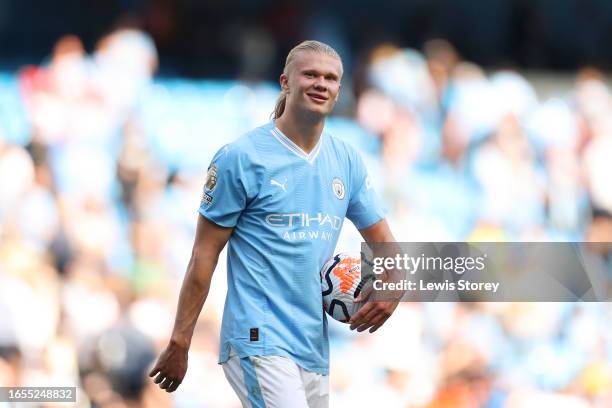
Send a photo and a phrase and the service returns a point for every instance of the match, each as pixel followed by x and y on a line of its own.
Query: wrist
pixel 181 343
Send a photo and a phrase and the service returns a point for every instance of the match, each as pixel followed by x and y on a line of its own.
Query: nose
pixel 320 84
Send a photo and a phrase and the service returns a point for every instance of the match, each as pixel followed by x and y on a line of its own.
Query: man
pixel 279 195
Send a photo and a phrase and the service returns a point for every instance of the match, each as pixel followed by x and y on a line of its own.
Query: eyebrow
pixel 314 71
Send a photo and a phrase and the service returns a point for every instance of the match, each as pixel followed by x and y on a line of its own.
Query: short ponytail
pixel 279 108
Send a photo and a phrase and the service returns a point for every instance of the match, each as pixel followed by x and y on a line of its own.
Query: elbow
pixel 202 266
pixel 202 255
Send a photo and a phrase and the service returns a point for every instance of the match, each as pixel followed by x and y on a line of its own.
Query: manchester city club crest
pixel 338 187
pixel 211 178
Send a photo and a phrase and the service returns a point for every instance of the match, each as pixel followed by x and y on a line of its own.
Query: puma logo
pixel 278 184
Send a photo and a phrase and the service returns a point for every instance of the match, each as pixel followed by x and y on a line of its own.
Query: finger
pixel 154 371
pixel 386 315
pixel 174 386
pixel 164 385
pixel 378 315
pixel 378 326
pixel 374 328
pixel 376 321
pixel 362 327
pixel 370 311
pixel 368 323
pixel 361 315
pixel 160 377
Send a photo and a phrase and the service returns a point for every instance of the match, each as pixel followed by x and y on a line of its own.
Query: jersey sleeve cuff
pixel 366 222
pixel 217 220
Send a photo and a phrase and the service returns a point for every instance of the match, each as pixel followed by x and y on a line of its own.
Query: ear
pixel 284 82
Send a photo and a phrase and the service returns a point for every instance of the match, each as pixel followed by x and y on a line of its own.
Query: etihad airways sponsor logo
pixel 304 220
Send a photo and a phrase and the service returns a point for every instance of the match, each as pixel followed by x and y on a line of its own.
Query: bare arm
pixel 172 363
pixel 209 241
pixel 374 314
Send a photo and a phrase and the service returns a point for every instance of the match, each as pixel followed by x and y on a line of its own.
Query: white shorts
pixel 275 382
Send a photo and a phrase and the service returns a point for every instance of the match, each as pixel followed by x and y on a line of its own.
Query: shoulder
pixel 342 149
pixel 245 149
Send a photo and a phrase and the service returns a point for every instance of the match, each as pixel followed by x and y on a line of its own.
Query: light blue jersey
pixel 287 208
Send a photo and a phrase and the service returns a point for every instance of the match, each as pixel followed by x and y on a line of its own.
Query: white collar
pixel 294 148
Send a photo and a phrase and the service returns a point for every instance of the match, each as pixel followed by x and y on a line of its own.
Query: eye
pixel 309 75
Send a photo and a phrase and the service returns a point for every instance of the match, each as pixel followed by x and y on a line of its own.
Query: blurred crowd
pixel 102 166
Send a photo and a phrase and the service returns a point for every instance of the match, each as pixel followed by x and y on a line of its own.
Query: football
pixel 341 283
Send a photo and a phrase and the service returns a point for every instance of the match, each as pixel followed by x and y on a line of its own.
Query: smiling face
pixel 312 82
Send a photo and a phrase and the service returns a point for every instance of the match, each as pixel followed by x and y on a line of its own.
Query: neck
pixel 303 129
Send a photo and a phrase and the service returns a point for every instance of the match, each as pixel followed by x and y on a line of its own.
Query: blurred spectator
pixel 98 212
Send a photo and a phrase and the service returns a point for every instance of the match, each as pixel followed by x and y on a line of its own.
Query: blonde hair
pixel 312 46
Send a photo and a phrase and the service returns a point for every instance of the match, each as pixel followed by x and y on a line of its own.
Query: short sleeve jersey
pixel 287 208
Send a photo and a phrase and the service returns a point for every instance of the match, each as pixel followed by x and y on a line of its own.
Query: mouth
pixel 317 98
